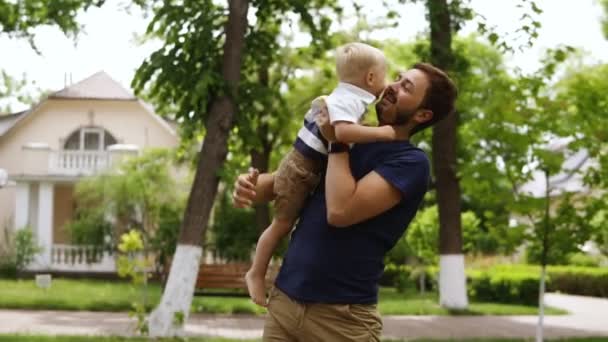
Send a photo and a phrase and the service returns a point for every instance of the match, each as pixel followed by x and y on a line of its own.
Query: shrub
pixel 491 283
pixel 582 259
pixel 584 281
pixel 504 287
pixel 19 250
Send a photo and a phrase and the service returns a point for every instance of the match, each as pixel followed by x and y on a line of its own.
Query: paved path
pixel 589 317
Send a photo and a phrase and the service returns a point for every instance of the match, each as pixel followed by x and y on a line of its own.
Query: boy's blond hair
pixel 354 60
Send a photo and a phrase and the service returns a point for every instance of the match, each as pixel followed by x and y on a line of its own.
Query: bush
pixel 584 281
pixel 19 250
pixel 402 277
pixel 504 287
pixel 582 259
pixel 519 283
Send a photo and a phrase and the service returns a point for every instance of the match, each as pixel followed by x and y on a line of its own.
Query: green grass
pixel 37 338
pixel 95 295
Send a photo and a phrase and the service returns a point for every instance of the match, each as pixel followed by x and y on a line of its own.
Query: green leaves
pixel 604 4
pixel 19 18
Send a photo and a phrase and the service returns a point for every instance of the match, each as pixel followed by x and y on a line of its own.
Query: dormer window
pixel 89 139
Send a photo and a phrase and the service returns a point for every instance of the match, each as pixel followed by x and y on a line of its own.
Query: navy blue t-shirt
pixel 325 264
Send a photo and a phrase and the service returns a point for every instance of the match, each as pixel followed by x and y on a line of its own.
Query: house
pixel 76 132
pixel 570 179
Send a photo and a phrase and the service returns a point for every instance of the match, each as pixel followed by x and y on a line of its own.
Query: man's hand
pixel 327 130
pixel 244 189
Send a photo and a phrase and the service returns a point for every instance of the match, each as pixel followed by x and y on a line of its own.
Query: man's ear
pixel 423 115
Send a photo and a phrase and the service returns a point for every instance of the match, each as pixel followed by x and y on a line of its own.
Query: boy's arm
pixel 249 190
pixel 349 133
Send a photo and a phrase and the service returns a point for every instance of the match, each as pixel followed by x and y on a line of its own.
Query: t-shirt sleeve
pixel 409 173
pixel 344 110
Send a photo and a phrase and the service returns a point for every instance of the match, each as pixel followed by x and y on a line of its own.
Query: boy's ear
pixel 369 79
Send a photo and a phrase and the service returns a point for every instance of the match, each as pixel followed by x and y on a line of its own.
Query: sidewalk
pixel 589 317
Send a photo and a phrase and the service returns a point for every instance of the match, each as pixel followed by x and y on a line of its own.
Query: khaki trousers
pixel 289 320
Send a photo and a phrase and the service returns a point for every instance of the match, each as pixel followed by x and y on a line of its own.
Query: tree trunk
pixel 261 161
pixel 544 260
pixel 452 283
pixel 260 158
pixel 177 297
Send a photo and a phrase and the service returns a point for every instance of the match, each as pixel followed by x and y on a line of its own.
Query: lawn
pixel 95 295
pixel 26 338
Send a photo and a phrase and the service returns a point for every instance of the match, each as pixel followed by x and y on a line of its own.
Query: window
pixel 89 139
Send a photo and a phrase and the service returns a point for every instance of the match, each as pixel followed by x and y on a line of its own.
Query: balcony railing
pixel 80 258
pixel 78 162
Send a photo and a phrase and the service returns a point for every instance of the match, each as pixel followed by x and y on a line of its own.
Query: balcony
pixel 78 162
pixel 40 160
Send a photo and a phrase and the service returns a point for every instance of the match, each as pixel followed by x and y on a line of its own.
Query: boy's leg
pixel 267 243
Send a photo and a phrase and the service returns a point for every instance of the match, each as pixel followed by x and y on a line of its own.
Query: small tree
pixel 140 194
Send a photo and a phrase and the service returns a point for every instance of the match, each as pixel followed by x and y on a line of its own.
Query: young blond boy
pixel 361 70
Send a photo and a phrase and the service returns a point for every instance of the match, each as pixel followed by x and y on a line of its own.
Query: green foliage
pixel 146 193
pixel 604 4
pixel 14 88
pixel 184 76
pixel 26 248
pixel 19 18
pixel 422 235
pixel 134 265
pixel 17 250
pixel 234 233
pixel 584 281
pixel 583 259
pixel 504 286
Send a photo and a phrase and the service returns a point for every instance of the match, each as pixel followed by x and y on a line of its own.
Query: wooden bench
pixel 229 277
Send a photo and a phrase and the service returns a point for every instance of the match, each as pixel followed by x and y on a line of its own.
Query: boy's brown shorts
pixel 295 179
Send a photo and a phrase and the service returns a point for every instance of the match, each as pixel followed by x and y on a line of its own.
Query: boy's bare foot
pixel 256 288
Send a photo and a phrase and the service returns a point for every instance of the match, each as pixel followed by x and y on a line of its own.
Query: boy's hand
pixel 244 189
pixel 327 130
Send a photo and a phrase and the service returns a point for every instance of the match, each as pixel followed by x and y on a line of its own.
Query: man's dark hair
pixel 440 95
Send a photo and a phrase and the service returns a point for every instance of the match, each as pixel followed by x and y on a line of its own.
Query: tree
pixel 444 20
pixel 142 195
pixel 198 73
pixel 18 19
pixel 12 88
pixel 604 4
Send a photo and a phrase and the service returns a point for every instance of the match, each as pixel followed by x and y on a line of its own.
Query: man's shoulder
pixel 395 150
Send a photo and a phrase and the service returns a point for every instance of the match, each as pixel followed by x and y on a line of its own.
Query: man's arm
pixel 349 201
pixel 249 190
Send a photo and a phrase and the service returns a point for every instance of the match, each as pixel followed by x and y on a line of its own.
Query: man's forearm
pixel 264 188
pixel 340 185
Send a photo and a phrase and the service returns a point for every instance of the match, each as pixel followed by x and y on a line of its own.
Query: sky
pixel 108 41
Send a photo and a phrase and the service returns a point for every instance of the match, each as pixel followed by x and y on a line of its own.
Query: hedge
pixel 517 284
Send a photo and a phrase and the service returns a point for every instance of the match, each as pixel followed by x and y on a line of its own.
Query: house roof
pixel 569 179
pixel 7 121
pixel 99 86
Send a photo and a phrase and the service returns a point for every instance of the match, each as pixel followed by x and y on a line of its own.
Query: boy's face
pixel 378 79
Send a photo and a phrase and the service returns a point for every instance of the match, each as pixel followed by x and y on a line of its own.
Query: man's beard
pixel 401 118
pixel 404 117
